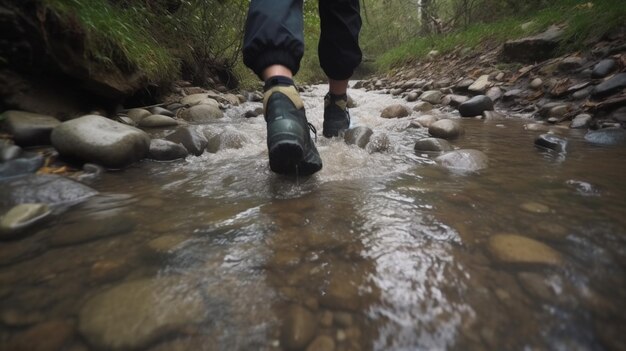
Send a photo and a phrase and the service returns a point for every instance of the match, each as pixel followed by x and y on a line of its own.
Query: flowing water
pixel 386 250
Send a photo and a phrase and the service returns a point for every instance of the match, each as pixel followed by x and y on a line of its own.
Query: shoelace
pixel 313 129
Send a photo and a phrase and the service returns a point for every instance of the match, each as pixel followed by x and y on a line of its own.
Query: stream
pixel 378 251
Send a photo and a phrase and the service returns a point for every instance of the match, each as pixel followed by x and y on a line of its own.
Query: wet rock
pixel 395 111
pixel 536 127
pixel 161 111
pixel 582 93
pixel 536 286
pixel 397 91
pixel 454 100
pixel 21 217
pixel 47 336
pixel 464 85
pixel 231 99
pixel 445 129
pixel 423 106
pixel 412 96
pixel 228 139
pixel 27 163
pixel 536 84
pixel 202 113
pixel 481 85
pixel 100 140
pixel 571 63
pixel 165 150
pixel 342 293
pixel 581 121
pixel 9 151
pixel 603 68
pixel 494 94
pixel 432 145
pixel 48 189
pixel 254 113
pixel 93 229
pixel 322 343
pixel 466 160
pixel 583 188
pixel 359 136
pixel 134 314
pixel 199 99
pixel 607 136
pixel 549 231
pixel 157 121
pixel 551 141
pixel 559 111
pixel 535 207
pixel 519 250
pixel 256 96
pixel 546 110
pixel 475 106
pixel 424 121
pixel 533 49
pixel 137 114
pixel 493 115
pixel 27 128
pixel 125 120
pixel 610 86
pixel 432 96
pixel 166 243
pixel 379 143
pixel 619 115
pixel 194 141
pixel 299 327
pixel 512 94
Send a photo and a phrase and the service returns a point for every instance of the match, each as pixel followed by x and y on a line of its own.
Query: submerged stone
pixel 299 327
pixel 359 136
pixel 194 141
pixel 133 314
pixel 516 249
pixel 607 136
pixel 165 150
pixel 466 160
pixel 445 129
pixel 551 141
pixel 20 217
pixel 432 145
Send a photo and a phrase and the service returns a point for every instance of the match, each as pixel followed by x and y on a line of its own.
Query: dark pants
pixel 274 35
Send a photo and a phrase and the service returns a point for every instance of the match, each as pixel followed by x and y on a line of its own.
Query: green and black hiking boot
pixel 291 150
pixel 336 116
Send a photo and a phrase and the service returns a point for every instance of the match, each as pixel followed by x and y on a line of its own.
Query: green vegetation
pixel 585 21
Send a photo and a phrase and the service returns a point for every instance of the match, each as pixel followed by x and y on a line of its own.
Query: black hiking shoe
pixel 336 116
pixel 291 150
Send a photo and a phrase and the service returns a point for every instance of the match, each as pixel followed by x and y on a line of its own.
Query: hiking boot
pixel 291 150
pixel 336 116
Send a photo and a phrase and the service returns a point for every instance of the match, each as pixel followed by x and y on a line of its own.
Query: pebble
pixel 535 207
pixel 480 85
pixel 161 111
pixel 134 314
pixel 299 327
pixel 8 151
pixel 254 113
pixel 21 217
pixel 582 93
pixel 424 121
pixel 395 111
pixel 445 129
pixel 516 249
pixel 454 100
pixel 536 84
pixel 412 96
pixel 326 319
pixel 432 145
pixel 493 115
pixel 610 86
pixel 571 63
pixel 137 114
pixel 559 111
pixel 494 94
pixel 322 343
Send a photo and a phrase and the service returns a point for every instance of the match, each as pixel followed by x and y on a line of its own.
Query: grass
pixel 116 37
pixel 585 21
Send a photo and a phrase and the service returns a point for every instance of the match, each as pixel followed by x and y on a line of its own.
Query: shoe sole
pixel 285 155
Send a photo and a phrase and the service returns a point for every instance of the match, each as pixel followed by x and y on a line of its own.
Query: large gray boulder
pixel 99 140
pixel 535 48
pixel 27 128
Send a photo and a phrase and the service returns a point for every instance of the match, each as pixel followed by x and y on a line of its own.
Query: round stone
pixel 517 249
pixel 535 207
pixel 21 217
pixel 299 327
pixel 445 129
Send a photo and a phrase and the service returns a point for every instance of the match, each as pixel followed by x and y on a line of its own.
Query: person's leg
pixel 339 55
pixel 273 48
